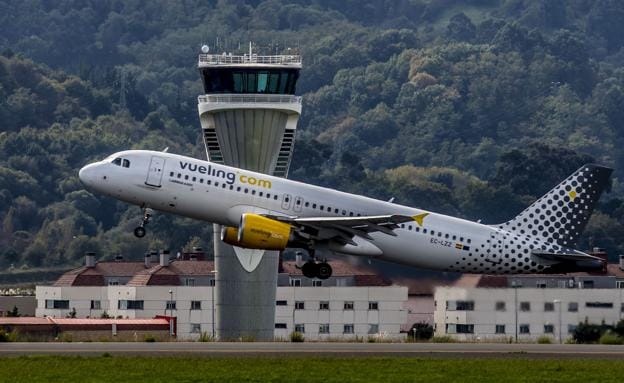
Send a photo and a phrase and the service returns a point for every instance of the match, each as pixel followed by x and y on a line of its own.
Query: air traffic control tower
pixel 248 115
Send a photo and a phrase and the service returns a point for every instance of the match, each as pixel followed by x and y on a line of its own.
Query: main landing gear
pixel 314 269
pixel 139 232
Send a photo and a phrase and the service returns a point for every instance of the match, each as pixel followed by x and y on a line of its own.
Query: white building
pixel 478 311
pixel 353 303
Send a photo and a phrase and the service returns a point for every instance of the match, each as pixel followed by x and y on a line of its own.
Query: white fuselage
pixel 221 194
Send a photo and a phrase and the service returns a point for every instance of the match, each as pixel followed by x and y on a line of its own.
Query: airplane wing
pixel 343 229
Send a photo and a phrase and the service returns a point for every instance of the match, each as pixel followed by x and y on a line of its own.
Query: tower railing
pixel 250 98
pixel 210 59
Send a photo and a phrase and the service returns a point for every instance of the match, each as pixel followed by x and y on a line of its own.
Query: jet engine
pixel 258 232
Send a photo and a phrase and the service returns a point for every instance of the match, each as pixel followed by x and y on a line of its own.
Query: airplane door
pixel 155 171
pixel 286 201
pixel 298 204
pixel 496 248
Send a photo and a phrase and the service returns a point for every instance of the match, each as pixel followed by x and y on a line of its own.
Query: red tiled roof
pixel 24 321
pixel 170 275
pixel 340 269
pixel 420 286
pixel 371 280
pixel 155 275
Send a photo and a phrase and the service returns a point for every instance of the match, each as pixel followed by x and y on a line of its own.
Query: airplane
pixel 259 211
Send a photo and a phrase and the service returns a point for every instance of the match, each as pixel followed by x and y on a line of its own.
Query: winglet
pixel 419 218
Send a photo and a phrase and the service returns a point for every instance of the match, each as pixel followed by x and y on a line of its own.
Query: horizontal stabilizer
pixel 566 257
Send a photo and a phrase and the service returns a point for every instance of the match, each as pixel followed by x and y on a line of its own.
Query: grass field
pixel 119 369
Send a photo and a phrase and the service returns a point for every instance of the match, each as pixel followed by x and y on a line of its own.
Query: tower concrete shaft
pixel 248 115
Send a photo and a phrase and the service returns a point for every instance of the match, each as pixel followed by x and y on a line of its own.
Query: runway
pixel 451 350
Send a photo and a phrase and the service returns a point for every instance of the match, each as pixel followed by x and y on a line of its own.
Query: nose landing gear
pixel 140 231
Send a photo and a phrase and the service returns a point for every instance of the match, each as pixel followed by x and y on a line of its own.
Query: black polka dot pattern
pixel 561 215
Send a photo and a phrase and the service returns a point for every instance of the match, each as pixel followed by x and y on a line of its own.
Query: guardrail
pixel 250 98
pixel 249 59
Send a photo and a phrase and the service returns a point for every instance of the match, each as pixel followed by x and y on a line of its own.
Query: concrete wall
pixel 26 305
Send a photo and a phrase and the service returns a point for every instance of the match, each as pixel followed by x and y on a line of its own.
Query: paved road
pixel 452 350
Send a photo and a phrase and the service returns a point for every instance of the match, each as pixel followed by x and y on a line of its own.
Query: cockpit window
pixel 126 163
pixel 117 161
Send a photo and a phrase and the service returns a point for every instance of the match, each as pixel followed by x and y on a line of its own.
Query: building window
pixel 295 282
pixel 373 305
pixel 525 329
pixel 348 329
pixel 452 328
pixel 195 328
pixel 317 283
pixel 500 328
pixel 113 282
pixel 572 307
pixel 619 284
pixel 464 328
pixel 549 329
pixel 212 282
pixel 622 307
pixel 460 305
pixel 599 305
pixel 373 328
pixel 571 328
pixel 324 305
pixel 525 306
pixel 300 328
pixel 348 305
pixel 281 325
pixel 129 305
pixel 588 284
pixel 549 306
pixel 500 306
pixel 341 282
pixel 57 304
pixel 96 305
pixel 281 303
pixel 299 305
pixel 195 305
pixel 324 328
pixel 189 281
pixel 540 284
pixel 170 305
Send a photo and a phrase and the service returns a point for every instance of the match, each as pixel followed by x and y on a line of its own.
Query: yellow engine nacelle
pixel 258 232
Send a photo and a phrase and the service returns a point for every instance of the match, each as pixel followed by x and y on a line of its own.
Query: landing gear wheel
pixel 323 270
pixel 309 269
pixel 139 232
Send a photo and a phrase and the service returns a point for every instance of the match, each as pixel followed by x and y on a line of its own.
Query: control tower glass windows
pixel 249 81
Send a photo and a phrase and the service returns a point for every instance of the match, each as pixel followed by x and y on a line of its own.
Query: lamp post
pixel 515 287
pixel 558 301
pixel 214 285
pixel 170 312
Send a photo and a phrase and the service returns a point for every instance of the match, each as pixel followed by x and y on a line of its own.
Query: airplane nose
pixel 86 175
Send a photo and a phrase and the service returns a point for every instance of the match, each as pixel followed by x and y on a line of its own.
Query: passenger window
pixel 336 211
pixel 171 174
pixel 186 177
pixel 179 175
pixel 260 194
pixel 126 163
pixel 238 188
pixel 194 179
pixel 329 209
pixel 117 161
pixel 313 206
pixel 253 191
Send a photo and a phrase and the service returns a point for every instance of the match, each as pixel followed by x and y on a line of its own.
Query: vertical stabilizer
pixel 561 215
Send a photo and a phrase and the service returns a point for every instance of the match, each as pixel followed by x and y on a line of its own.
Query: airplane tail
pixel 561 215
